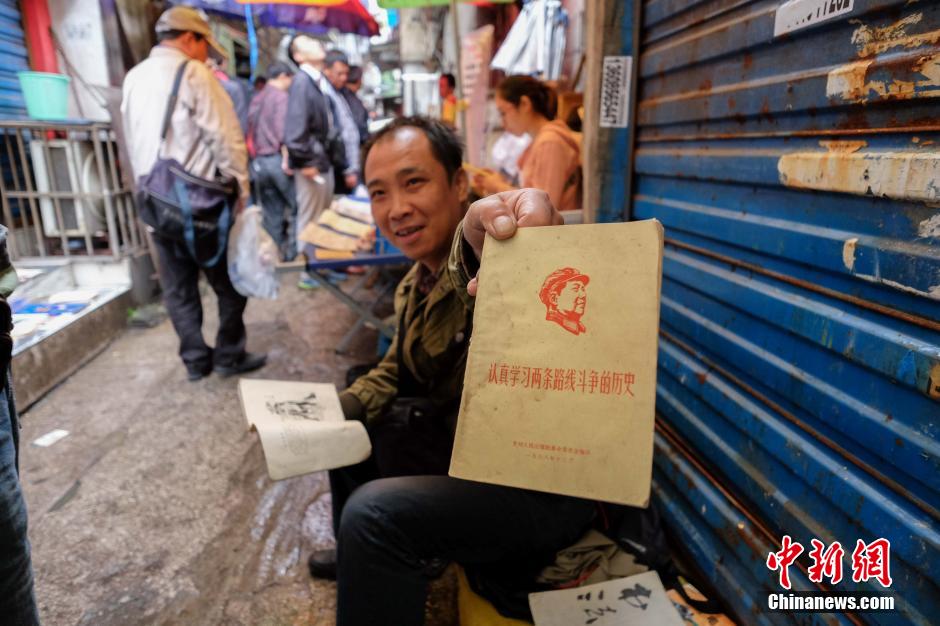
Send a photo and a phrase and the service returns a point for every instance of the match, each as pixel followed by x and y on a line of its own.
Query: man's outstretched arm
pixel 500 215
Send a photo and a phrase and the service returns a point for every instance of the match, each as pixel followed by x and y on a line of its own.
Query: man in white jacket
pixel 204 136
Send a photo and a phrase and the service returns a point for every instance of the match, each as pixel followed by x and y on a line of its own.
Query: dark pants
pixel 275 190
pixel 17 600
pixel 394 533
pixel 179 276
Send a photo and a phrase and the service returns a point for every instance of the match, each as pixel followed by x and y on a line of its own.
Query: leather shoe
pixel 195 374
pixel 248 363
pixel 322 564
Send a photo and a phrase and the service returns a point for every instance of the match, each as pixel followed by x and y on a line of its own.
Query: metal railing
pixel 63 192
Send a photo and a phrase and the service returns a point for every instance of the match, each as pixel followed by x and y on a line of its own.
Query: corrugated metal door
pixel 13 59
pixel 798 179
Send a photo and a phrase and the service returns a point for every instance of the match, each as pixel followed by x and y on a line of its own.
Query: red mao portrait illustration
pixel 564 294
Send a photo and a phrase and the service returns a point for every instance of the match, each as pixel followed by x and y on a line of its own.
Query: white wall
pixel 77 25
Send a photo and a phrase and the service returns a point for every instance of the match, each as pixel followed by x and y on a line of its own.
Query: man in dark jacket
pixel 359 112
pixel 306 133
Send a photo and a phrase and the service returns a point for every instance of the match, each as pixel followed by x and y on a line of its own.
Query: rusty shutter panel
pixel 797 175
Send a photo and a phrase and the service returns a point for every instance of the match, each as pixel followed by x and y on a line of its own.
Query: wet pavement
pixel 157 509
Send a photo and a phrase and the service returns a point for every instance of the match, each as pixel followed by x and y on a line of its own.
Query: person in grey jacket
pixel 336 70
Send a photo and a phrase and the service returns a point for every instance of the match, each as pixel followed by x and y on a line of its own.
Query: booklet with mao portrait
pixel 560 385
pixel 301 426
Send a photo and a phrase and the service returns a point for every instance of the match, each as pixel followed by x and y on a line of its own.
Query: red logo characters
pixel 869 561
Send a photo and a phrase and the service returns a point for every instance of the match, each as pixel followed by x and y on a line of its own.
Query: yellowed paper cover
pixel 560 383
pixel 323 237
pixel 333 255
pixel 301 426
pixel 344 225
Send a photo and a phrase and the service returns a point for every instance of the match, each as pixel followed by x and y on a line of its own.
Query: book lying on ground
pixel 560 384
pixel 301 426
pixel 639 600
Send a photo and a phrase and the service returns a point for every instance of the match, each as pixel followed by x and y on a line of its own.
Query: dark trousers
pixel 275 190
pixel 179 277
pixel 394 533
pixel 17 599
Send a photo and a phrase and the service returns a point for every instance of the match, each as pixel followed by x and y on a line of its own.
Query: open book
pixel 301 426
pixel 639 600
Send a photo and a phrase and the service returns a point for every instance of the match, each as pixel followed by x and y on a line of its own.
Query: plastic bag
pixel 252 255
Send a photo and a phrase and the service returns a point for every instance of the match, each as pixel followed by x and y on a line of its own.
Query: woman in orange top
pixel 552 162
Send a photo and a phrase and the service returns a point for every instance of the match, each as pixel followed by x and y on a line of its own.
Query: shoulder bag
pixel 182 207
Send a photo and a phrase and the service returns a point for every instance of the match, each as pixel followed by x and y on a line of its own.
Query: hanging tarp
pixel 535 44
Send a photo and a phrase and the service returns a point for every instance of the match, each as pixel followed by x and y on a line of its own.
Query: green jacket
pixel 435 341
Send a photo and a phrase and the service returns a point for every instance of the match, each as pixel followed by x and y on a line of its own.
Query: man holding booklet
pixel 399 518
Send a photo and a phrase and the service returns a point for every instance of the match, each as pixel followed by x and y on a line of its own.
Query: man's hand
pixel 351 180
pixel 310 172
pixel 285 162
pixel 501 214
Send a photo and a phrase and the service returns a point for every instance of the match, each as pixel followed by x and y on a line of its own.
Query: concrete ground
pixel 157 508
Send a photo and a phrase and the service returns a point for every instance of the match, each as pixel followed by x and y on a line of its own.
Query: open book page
pixel 301 426
pixel 560 383
pixel 638 600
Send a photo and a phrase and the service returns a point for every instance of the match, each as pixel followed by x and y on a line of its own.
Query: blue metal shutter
pixel 798 180
pixel 13 59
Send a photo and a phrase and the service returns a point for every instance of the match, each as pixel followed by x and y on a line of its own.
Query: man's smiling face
pixel 416 205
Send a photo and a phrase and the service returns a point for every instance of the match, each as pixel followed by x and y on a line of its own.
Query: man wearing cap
pixel 563 294
pixel 204 136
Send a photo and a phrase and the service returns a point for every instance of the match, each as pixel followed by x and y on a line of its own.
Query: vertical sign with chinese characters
pixel 477 47
pixel 616 74
pixel 560 383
